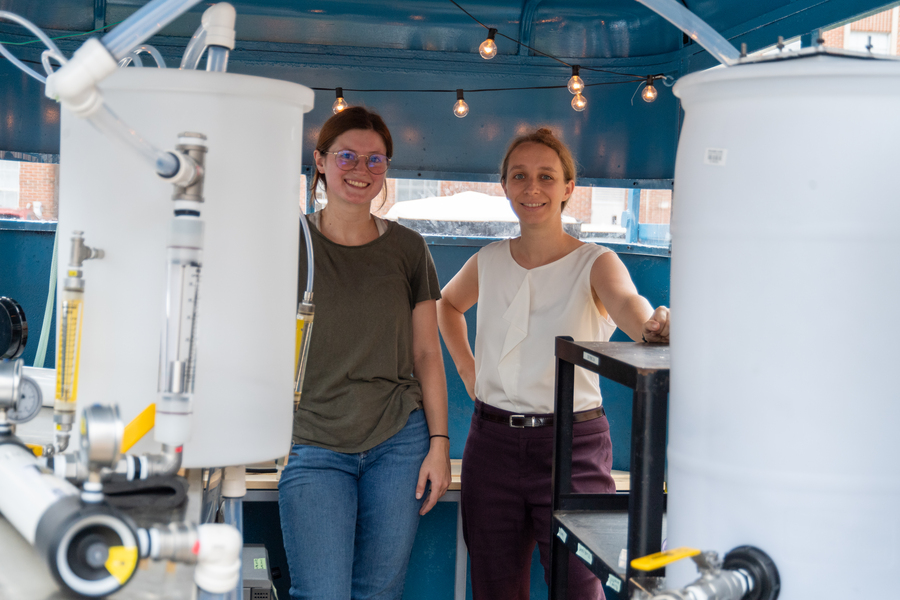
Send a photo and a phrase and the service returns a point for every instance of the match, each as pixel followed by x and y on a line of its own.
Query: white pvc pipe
pixel 696 28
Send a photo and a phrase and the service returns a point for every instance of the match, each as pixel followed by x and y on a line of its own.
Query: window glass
pixel 28 190
pixel 480 209
pixel 9 184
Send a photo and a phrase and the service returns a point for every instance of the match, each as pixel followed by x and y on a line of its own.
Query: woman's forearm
pixel 455 333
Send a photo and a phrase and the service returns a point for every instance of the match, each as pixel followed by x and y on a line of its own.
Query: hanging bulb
pixel 579 102
pixel 488 48
pixel 339 104
pixel 460 109
pixel 649 93
pixel 576 83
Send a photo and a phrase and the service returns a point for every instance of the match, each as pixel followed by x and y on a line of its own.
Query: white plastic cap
pixel 75 83
pixel 218 558
pixel 235 483
pixel 218 21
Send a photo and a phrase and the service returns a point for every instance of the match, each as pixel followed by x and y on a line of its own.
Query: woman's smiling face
pixel 535 183
pixel 358 185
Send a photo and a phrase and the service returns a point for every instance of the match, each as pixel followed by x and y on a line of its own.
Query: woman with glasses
pixel 529 290
pixel 370 448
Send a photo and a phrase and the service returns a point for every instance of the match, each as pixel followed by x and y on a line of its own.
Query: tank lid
pixel 816 62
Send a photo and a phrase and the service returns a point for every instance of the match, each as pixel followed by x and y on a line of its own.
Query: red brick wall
pixel 834 38
pixel 39 183
pixel 579 206
pixel 656 206
pixel 880 22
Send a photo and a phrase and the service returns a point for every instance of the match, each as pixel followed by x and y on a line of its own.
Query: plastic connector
pixel 75 84
pixel 218 558
pixel 218 20
pixel 187 172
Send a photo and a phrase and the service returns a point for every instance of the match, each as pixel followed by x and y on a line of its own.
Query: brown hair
pixel 354 117
pixel 543 136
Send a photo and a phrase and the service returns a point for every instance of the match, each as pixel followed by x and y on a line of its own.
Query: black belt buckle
pixel 521 423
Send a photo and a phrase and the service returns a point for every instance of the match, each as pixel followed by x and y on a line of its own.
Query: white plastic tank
pixel 242 408
pixel 784 404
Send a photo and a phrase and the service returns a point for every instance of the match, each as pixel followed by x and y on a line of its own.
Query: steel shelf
pixel 596 527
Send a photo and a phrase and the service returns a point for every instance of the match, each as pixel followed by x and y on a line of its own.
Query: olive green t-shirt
pixel 359 387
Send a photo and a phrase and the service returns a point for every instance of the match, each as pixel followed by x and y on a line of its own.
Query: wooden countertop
pixel 269 481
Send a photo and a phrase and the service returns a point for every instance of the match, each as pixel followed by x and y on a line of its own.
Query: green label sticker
pixel 259 563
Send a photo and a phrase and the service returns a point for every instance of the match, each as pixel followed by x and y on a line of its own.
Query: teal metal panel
pixel 26 248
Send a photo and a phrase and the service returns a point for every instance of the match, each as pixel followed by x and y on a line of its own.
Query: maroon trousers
pixel 506 502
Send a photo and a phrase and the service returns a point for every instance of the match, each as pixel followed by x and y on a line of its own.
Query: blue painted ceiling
pixel 432 44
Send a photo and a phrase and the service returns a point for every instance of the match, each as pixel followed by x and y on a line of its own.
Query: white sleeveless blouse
pixel 520 312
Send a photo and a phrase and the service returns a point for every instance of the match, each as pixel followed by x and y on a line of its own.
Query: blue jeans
pixel 349 520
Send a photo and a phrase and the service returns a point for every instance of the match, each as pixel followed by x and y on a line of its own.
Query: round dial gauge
pixel 29 403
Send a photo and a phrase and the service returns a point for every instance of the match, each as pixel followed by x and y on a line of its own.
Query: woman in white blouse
pixel 529 290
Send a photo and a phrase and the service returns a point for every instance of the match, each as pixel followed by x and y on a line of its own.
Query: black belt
pixel 521 421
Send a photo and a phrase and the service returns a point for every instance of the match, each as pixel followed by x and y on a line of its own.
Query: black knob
pixel 760 566
pixel 13 328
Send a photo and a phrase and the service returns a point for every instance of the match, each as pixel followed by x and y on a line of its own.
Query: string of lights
pixel 488 50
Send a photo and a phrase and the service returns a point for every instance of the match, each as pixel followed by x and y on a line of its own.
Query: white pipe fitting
pixel 235 483
pixel 218 558
pixel 75 83
pixel 218 21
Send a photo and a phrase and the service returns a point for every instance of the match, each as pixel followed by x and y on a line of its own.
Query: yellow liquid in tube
pixel 69 350
pixel 301 349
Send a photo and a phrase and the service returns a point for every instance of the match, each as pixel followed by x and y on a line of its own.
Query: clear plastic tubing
pixel 8 16
pixel 107 123
pixel 152 51
pixel 696 28
pixel 144 23
pixel 217 59
pixel 194 49
pixel 233 514
pixel 310 264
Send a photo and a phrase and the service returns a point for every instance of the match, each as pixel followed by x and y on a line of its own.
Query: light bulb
pixel 576 83
pixel 579 102
pixel 460 109
pixel 488 48
pixel 649 93
pixel 339 104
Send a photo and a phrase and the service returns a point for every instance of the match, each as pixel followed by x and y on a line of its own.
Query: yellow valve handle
pixel 121 562
pixel 139 427
pixel 656 561
pixel 37 449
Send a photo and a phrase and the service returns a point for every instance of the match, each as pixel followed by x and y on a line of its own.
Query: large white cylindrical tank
pixel 784 402
pixel 242 407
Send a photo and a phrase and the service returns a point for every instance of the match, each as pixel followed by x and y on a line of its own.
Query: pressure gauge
pixel 29 403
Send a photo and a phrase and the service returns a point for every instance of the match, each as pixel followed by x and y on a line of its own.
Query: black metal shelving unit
pixel 597 526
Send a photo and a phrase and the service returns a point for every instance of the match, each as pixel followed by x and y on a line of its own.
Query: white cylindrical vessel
pixel 27 493
pixel 243 393
pixel 785 267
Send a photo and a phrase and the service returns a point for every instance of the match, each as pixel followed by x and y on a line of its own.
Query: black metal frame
pixel 645 369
